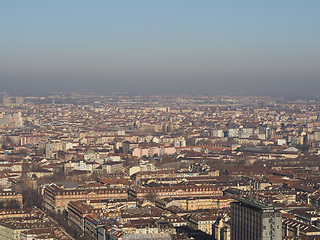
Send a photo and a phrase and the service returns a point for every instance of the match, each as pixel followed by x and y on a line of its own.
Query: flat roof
pixel 255 203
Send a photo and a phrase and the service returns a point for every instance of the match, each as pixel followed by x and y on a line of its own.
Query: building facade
pixel 56 198
pixel 253 220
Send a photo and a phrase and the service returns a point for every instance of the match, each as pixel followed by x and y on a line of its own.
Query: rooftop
pixel 251 202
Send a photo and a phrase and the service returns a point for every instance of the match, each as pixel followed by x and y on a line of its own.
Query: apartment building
pixel 178 190
pixel 56 198
pixel 6 196
pixel 255 220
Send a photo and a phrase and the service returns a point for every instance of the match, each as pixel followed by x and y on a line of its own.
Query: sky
pixel 252 47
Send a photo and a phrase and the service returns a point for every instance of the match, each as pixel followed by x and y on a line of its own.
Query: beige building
pixel 195 203
pixel 176 191
pixel 202 222
pixel 10 228
pixel 56 198
pixel 6 196
pixel 221 229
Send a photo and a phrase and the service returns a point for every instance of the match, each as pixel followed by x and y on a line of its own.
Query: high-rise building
pixel 6 100
pixel 19 100
pixel 255 220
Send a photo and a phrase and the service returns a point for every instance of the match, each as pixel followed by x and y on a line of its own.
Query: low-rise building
pixel 176 191
pixel 202 221
pixel 6 196
pixel 292 227
pixel 221 229
pixel 56 198
pixel 11 228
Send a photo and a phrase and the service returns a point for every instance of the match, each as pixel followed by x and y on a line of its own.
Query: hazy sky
pixel 163 46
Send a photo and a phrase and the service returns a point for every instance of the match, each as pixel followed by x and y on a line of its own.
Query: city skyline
pixel 212 47
pixel 162 166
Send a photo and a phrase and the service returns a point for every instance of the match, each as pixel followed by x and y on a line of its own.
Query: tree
pixel 165 159
pixel 31 198
pixel 35 167
pixel 61 218
pixel 151 196
pixel 26 167
pixel 95 176
pixel 13 204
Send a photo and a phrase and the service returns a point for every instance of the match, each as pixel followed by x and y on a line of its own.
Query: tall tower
pixel 254 220
pixel 19 100
pixel 6 100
